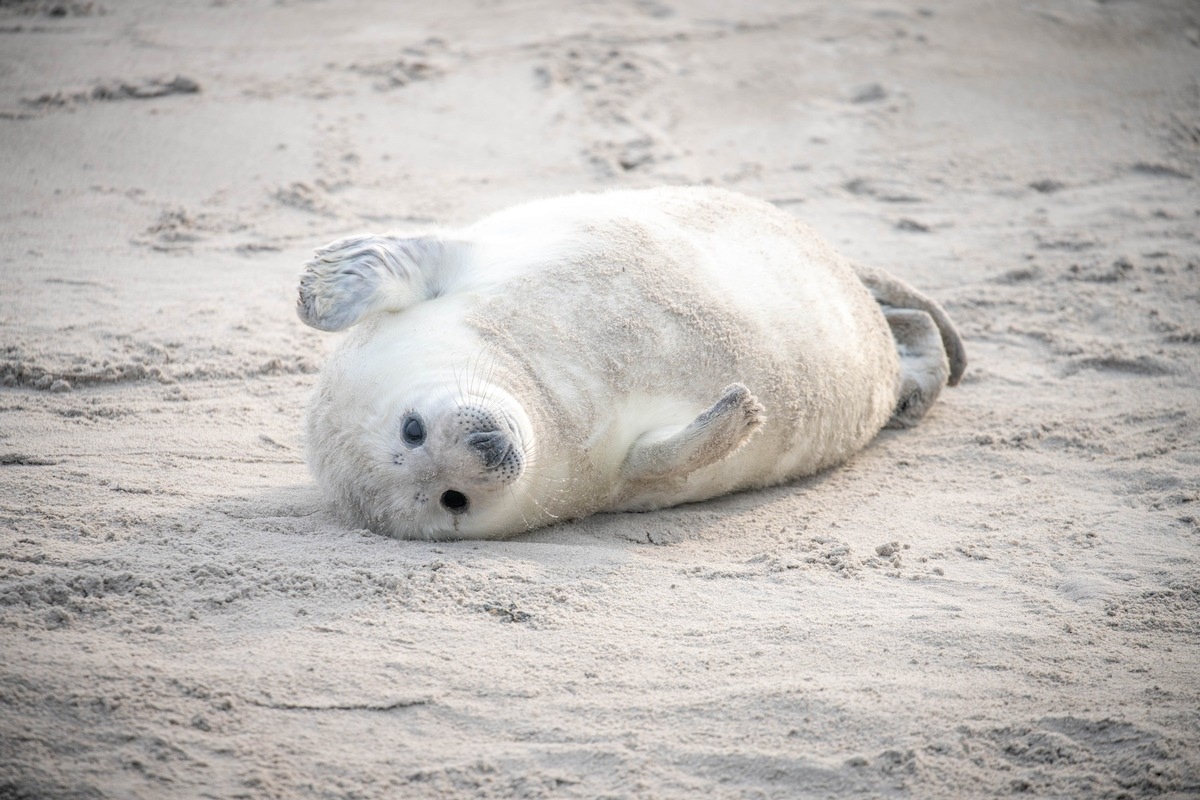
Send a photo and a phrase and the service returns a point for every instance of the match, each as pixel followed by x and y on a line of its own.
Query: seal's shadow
pixel 299 515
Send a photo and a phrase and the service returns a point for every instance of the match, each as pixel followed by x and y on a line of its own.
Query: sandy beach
pixel 1004 600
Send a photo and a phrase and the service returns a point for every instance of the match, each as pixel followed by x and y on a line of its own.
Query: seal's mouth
pixel 455 501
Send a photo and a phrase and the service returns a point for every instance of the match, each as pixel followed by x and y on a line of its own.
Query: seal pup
pixel 623 351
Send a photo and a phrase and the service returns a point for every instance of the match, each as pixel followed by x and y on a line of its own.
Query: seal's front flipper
pixel 350 279
pixel 710 437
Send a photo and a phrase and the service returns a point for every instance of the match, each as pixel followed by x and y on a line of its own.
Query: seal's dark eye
pixel 413 431
pixel 455 502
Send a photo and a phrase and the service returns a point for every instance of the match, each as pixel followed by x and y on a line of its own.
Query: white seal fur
pixel 622 351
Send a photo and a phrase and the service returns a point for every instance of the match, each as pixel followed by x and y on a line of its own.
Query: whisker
pixel 533 500
pixel 470 374
pixel 458 383
pixel 517 500
pixel 490 384
pixel 478 385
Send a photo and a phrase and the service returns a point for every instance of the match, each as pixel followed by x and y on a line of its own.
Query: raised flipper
pixel 710 437
pixel 890 291
pixel 351 279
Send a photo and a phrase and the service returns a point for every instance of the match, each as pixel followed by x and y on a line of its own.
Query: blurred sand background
pixel 1003 601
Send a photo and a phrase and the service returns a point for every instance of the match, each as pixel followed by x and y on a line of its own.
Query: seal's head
pixel 413 452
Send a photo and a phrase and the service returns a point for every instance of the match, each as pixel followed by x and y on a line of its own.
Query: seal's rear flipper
pixel 923 364
pixel 889 290
pixel 710 437
pixel 351 279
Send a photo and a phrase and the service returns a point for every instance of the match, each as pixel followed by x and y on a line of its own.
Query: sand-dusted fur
pixel 618 351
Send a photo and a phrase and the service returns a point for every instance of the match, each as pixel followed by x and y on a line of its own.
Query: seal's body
pixel 619 351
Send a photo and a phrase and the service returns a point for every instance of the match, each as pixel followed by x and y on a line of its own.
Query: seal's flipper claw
pixel 351 279
pixel 710 437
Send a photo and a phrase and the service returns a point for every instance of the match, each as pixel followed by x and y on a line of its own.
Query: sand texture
pixel 1004 600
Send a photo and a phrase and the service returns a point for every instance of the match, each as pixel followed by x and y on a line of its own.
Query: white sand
pixel 1003 600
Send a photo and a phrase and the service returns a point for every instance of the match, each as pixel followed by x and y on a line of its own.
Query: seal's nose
pixel 492 445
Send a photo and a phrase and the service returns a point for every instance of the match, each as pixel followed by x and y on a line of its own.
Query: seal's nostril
pixel 492 445
pixel 485 440
pixel 455 502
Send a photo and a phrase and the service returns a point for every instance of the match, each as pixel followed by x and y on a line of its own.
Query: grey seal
pixel 622 351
